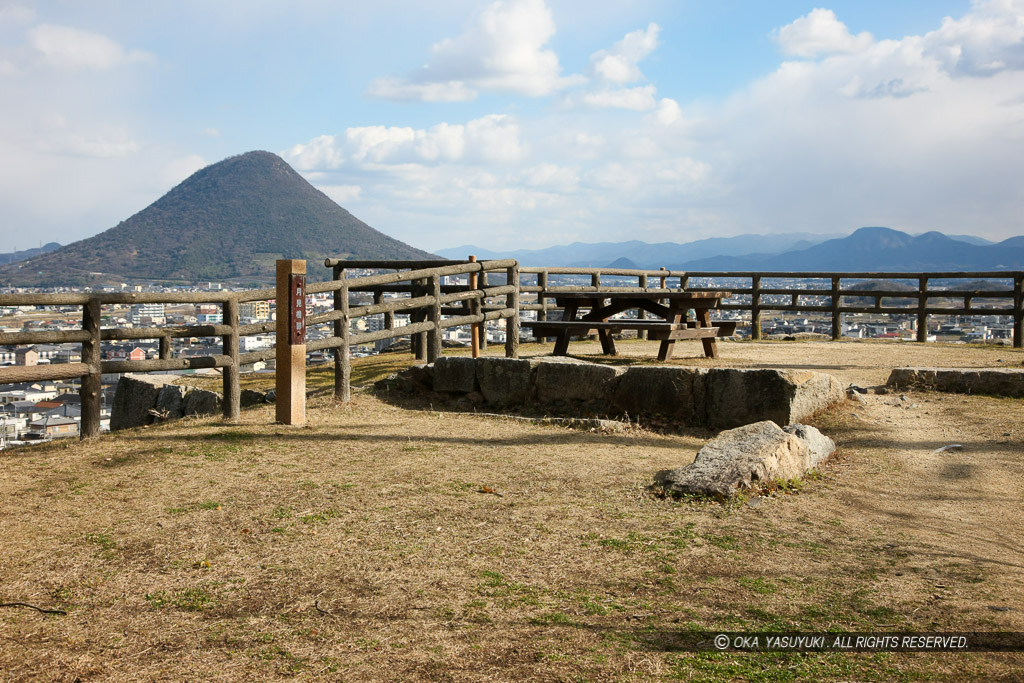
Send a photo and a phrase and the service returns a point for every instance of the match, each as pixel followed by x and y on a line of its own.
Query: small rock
pixel 853 388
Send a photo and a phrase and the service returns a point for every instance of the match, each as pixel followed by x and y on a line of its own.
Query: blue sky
pixel 525 123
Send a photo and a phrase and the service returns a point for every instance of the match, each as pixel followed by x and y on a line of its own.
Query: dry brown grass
pixel 363 546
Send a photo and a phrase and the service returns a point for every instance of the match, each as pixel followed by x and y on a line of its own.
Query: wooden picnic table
pixel 672 307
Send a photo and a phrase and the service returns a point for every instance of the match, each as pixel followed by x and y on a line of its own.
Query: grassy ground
pixel 382 542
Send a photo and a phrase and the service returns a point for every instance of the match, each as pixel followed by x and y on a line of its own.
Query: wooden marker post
pixel 291 342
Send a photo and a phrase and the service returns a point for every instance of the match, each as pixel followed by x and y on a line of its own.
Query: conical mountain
pixel 230 220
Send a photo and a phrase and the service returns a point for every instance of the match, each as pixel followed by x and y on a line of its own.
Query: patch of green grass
pixel 553 619
pixel 725 542
pixel 320 517
pixel 189 599
pixel 106 546
pixel 758 585
pixel 192 507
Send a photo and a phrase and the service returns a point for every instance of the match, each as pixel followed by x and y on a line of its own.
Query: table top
pixel 653 296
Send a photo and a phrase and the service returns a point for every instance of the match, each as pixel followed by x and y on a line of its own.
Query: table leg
pixel 704 320
pixel 607 343
pixel 562 342
pixel 668 346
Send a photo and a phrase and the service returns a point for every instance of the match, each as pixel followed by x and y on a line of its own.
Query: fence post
pixel 165 347
pixel 474 309
pixel 342 354
pixel 291 342
pixel 837 317
pixel 419 340
pixel 91 389
pixel 231 373
pixel 755 308
pixel 483 326
pixel 1018 310
pixel 922 310
pixel 642 315
pixel 512 324
pixel 434 341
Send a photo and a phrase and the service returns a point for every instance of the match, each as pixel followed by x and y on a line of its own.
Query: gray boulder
pixel 135 398
pixel 201 402
pixel 503 381
pixel 170 402
pixel 747 456
pixel 249 398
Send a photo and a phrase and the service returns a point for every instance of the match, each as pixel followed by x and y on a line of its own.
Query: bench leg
pixel 607 343
pixel 704 320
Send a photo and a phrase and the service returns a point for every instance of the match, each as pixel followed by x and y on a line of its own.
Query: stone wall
pixel 993 381
pixel 719 398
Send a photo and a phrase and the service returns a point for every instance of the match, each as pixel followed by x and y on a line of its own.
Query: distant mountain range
pixel 13 256
pixel 867 249
pixel 230 220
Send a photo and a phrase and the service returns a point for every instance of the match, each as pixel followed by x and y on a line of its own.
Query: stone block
pixel 557 380
pixel 660 390
pixel 503 381
pixel 455 374
pixel 736 397
pixel 992 381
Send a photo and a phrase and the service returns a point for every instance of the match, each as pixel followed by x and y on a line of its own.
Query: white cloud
pixel 640 98
pixel 504 50
pixel 987 40
pixel 72 48
pixel 618 64
pixel 820 33
pixel 490 139
pixel 668 112
pixel 318 153
pixel 342 194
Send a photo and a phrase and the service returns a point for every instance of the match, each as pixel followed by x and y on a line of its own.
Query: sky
pixel 525 123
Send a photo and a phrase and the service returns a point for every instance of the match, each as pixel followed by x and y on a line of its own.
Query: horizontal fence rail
pixel 428 304
pixel 496 290
pixel 836 297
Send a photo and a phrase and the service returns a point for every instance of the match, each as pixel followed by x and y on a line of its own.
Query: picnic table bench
pixel 601 306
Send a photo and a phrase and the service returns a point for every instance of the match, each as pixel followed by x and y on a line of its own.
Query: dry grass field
pixel 392 539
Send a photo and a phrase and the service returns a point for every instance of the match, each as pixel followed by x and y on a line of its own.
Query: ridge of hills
pixel 866 249
pixel 15 256
pixel 228 221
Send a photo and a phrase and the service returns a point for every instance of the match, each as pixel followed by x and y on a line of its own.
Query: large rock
pixel 662 390
pixel 737 397
pixel 135 398
pixel 572 380
pixel 201 402
pixel 746 456
pixel 455 374
pixel 994 381
pixel 170 402
pixel 504 381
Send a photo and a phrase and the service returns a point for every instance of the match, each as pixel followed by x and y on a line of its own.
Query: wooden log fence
pixel 417 289
pixel 833 299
